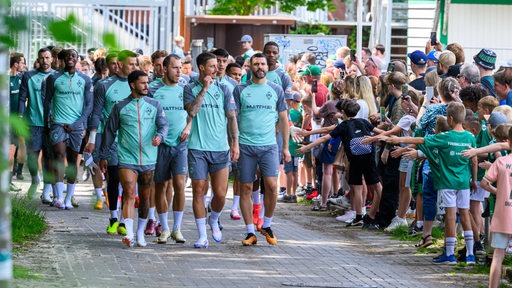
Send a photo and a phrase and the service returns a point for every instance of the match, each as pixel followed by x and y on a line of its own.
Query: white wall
pixel 482 26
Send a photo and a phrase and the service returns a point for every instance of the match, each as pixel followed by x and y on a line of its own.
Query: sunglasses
pixel 407 98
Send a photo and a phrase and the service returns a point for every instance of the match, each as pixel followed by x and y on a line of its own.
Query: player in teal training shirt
pixel 68 99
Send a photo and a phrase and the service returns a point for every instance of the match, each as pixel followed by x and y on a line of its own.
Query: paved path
pixel 313 251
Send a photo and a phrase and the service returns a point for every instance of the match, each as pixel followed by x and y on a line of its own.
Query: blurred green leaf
pixel 16 23
pixel 7 41
pixel 109 41
pixel 19 126
pixel 62 30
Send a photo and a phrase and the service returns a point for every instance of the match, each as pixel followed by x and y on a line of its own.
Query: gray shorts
pixel 252 157
pixel 200 163
pixel 73 139
pixel 111 158
pixel 292 166
pixel 171 160
pixel 137 169
pixel 35 141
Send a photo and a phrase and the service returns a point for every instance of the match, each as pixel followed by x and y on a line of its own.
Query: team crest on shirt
pixel 148 111
pixel 61 83
pixel 269 95
pixel 180 96
pixel 216 95
pixel 79 84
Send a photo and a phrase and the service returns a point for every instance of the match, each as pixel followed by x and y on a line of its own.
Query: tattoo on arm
pixel 194 106
pixel 232 127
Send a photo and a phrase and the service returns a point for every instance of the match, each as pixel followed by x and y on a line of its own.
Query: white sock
pixel 256 197
pixel 267 221
pixel 140 229
pixel 136 189
pixel 250 228
pixel 201 228
pixel 163 220
pixel 70 192
pixel 470 242
pixel 262 211
pixel 99 193
pixel 450 245
pixel 214 220
pixel 46 190
pixel 419 224
pixel 151 213
pixel 121 218
pixel 60 191
pixel 178 216
pixel 128 222
pixel 113 214
pixel 205 200
pixel 236 201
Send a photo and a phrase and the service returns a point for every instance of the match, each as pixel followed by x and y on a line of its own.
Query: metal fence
pixel 149 24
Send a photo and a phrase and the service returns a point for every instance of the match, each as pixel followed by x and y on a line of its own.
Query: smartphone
pixel 391 68
pixel 352 55
pixel 405 89
pixel 382 114
pixel 314 87
pixel 430 93
pixel 342 75
pixel 433 38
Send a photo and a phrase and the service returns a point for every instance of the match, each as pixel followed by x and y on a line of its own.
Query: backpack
pixel 356 132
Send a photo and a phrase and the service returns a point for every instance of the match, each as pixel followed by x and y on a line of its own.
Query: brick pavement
pixel 76 252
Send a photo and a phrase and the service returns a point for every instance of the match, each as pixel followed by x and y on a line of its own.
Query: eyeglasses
pixel 460 76
pixel 407 98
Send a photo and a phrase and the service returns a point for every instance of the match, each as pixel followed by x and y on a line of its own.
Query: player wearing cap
pixel 259 102
pixel 418 67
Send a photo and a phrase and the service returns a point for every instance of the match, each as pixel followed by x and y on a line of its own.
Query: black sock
pixel 359 217
pixel 113 220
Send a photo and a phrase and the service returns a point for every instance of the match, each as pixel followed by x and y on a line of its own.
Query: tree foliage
pixel 247 7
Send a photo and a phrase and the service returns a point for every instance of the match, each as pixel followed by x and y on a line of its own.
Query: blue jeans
pixel 429 194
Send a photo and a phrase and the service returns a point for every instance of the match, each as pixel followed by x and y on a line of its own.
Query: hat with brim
pixel 312 70
pixel 486 58
pixel 433 55
pixel 497 118
pixel 339 64
pixel 246 38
